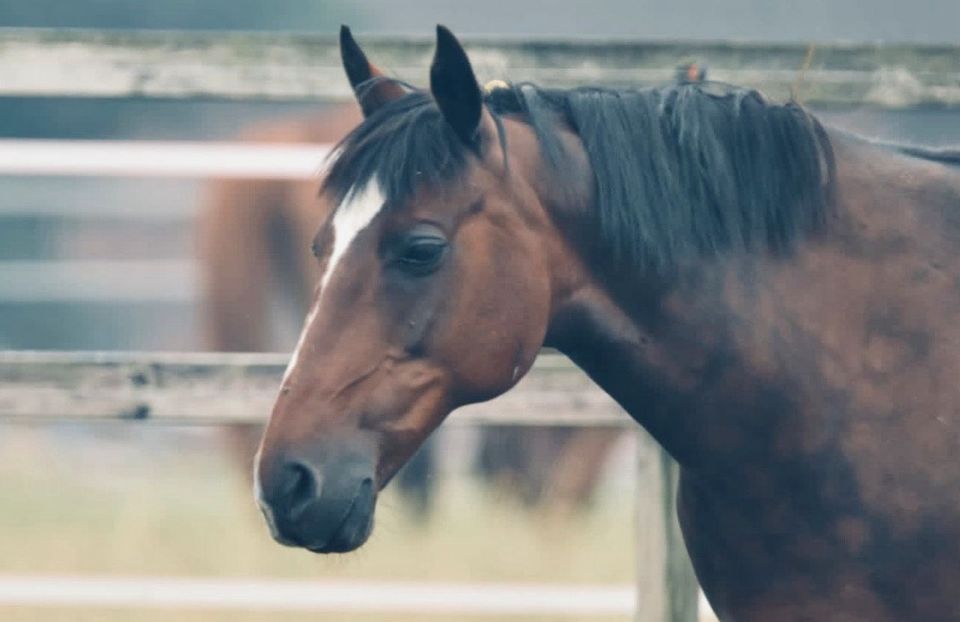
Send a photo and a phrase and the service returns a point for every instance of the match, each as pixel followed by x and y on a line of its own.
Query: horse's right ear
pixel 372 88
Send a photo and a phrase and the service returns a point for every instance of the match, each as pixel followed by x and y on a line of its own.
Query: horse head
pixel 441 270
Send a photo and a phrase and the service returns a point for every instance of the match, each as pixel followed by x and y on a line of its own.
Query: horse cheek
pixel 501 321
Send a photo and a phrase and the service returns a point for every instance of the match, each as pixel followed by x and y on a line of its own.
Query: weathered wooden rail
pixel 208 388
pixel 88 63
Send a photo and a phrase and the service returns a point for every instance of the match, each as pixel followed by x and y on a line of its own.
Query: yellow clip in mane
pixel 493 85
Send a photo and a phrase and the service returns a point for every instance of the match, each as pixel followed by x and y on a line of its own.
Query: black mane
pixel 682 172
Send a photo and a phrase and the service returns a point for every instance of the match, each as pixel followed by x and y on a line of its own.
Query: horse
pixel 776 301
pixel 253 237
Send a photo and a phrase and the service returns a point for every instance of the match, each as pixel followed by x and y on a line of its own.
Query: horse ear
pixel 372 88
pixel 455 88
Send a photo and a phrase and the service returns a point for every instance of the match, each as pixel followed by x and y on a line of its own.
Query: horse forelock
pixel 405 145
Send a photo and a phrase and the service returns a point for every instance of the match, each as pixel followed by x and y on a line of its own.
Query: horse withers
pixel 775 302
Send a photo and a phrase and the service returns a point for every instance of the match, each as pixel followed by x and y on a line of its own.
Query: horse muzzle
pixel 325 507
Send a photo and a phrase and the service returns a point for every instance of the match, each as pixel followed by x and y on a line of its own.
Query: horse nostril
pixel 299 488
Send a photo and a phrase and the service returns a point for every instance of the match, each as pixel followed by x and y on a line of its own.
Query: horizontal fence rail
pixel 300 66
pixel 212 388
pixel 129 158
pixel 172 281
pixel 573 601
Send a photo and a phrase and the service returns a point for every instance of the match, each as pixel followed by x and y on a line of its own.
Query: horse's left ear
pixel 372 88
pixel 455 87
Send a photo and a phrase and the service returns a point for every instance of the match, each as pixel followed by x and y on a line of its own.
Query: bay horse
pixel 776 302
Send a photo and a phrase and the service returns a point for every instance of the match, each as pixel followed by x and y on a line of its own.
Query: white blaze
pixel 352 216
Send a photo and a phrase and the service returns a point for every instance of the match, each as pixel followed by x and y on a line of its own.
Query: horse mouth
pixel 355 526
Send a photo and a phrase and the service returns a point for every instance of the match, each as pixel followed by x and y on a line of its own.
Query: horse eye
pixel 421 255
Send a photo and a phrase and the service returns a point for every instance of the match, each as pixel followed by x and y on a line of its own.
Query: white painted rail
pixel 119 158
pixel 100 281
pixel 462 599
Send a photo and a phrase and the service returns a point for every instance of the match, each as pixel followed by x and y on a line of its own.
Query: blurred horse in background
pixel 258 276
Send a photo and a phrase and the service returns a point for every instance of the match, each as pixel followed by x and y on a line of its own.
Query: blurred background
pixel 111 264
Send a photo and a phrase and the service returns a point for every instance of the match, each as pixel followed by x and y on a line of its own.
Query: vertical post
pixel 666 587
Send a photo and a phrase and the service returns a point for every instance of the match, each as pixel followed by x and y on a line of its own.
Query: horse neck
pixel 614 324
pixel 626 337
pixel 682 354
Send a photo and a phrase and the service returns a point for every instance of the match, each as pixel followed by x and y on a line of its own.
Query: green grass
pixel 183 510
